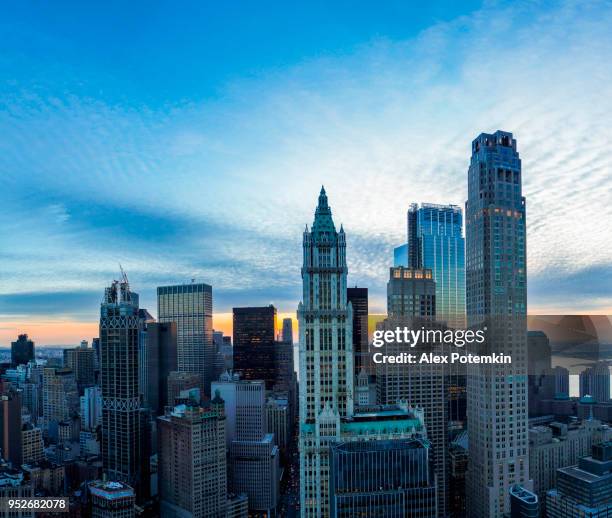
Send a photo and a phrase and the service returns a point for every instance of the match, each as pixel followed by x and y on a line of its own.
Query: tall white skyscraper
pixel 190 306
pixel 327 416
pixel 496 296
pixel 326 356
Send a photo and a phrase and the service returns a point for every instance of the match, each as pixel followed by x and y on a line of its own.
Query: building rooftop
pixel 111 490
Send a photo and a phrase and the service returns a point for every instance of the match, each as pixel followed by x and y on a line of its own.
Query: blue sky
pixel 192 142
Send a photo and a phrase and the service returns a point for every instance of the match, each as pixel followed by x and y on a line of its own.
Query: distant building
pixel 89 442
pixel 160 360
pixel 179 382
pixel 32 444
pixel 190 306
pixel 382 478
pixel 46 476
pixel 287 334
pixel 91 408
pixel 82 362
pixel 585 489
pixel 10 427
pixel 22 350
pixel 556 445
pixel 278 422
pixel 192 464
pixel 458 463
pixel 60 395
pixel 111 500
pixel 595 382
pixel 358 297
pixel 254 343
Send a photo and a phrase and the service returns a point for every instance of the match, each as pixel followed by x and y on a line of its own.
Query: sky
pixel 191 142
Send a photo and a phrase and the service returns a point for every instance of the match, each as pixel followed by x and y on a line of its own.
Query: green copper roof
pixel 323 221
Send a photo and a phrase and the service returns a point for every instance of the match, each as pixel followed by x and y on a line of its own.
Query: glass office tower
pixel 435 241
pixel 190 306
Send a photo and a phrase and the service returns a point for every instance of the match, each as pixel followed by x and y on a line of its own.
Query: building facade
pixel 358 297
pixel 190 306
pixel 254 343
pixel 435 242
pixel 122 427
pixel 192 466
pixel 595 382
pixel 22 351
pixel 111 500
pixel 496 295
pixel 382 478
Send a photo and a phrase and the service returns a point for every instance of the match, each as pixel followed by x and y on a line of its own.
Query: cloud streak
pixel 220 189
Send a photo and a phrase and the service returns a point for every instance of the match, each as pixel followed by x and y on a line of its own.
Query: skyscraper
pixel 411 302
pixel 287 335
pixel 435 241
pixel 595 382
pixel 254 343
pixel 326 355
pixel 190 306
pixel 122 429
pixel 254 454
pixel 327 415
pixel 60 395
pixel 22 350
pixel 160 359
pixel 81 360
pixel 496 290
pixel 358 297
pixel 411 292
pixel 10 427
pixel 192 463
pixel 91 408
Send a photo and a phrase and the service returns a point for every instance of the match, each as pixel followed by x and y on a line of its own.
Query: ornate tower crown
pixel 323 223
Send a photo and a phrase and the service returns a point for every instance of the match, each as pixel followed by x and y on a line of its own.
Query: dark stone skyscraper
pixel 22 350
pixel 10 426
pixel 160 361
pixel 122 423
pixel 358 297
pixel 496 296
pixel 254 344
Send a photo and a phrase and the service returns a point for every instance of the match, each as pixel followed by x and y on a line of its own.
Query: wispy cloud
pixel 221 189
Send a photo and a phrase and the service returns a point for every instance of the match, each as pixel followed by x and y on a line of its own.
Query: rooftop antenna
pixel 123 274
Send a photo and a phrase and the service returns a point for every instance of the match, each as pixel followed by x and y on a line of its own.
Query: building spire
pixel 323 216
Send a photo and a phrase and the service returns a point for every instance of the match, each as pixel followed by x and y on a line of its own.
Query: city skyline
pixel 174 177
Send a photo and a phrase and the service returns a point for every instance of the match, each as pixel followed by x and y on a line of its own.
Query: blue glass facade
pixel 382 479
pixel 400 256
pixel 435 241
